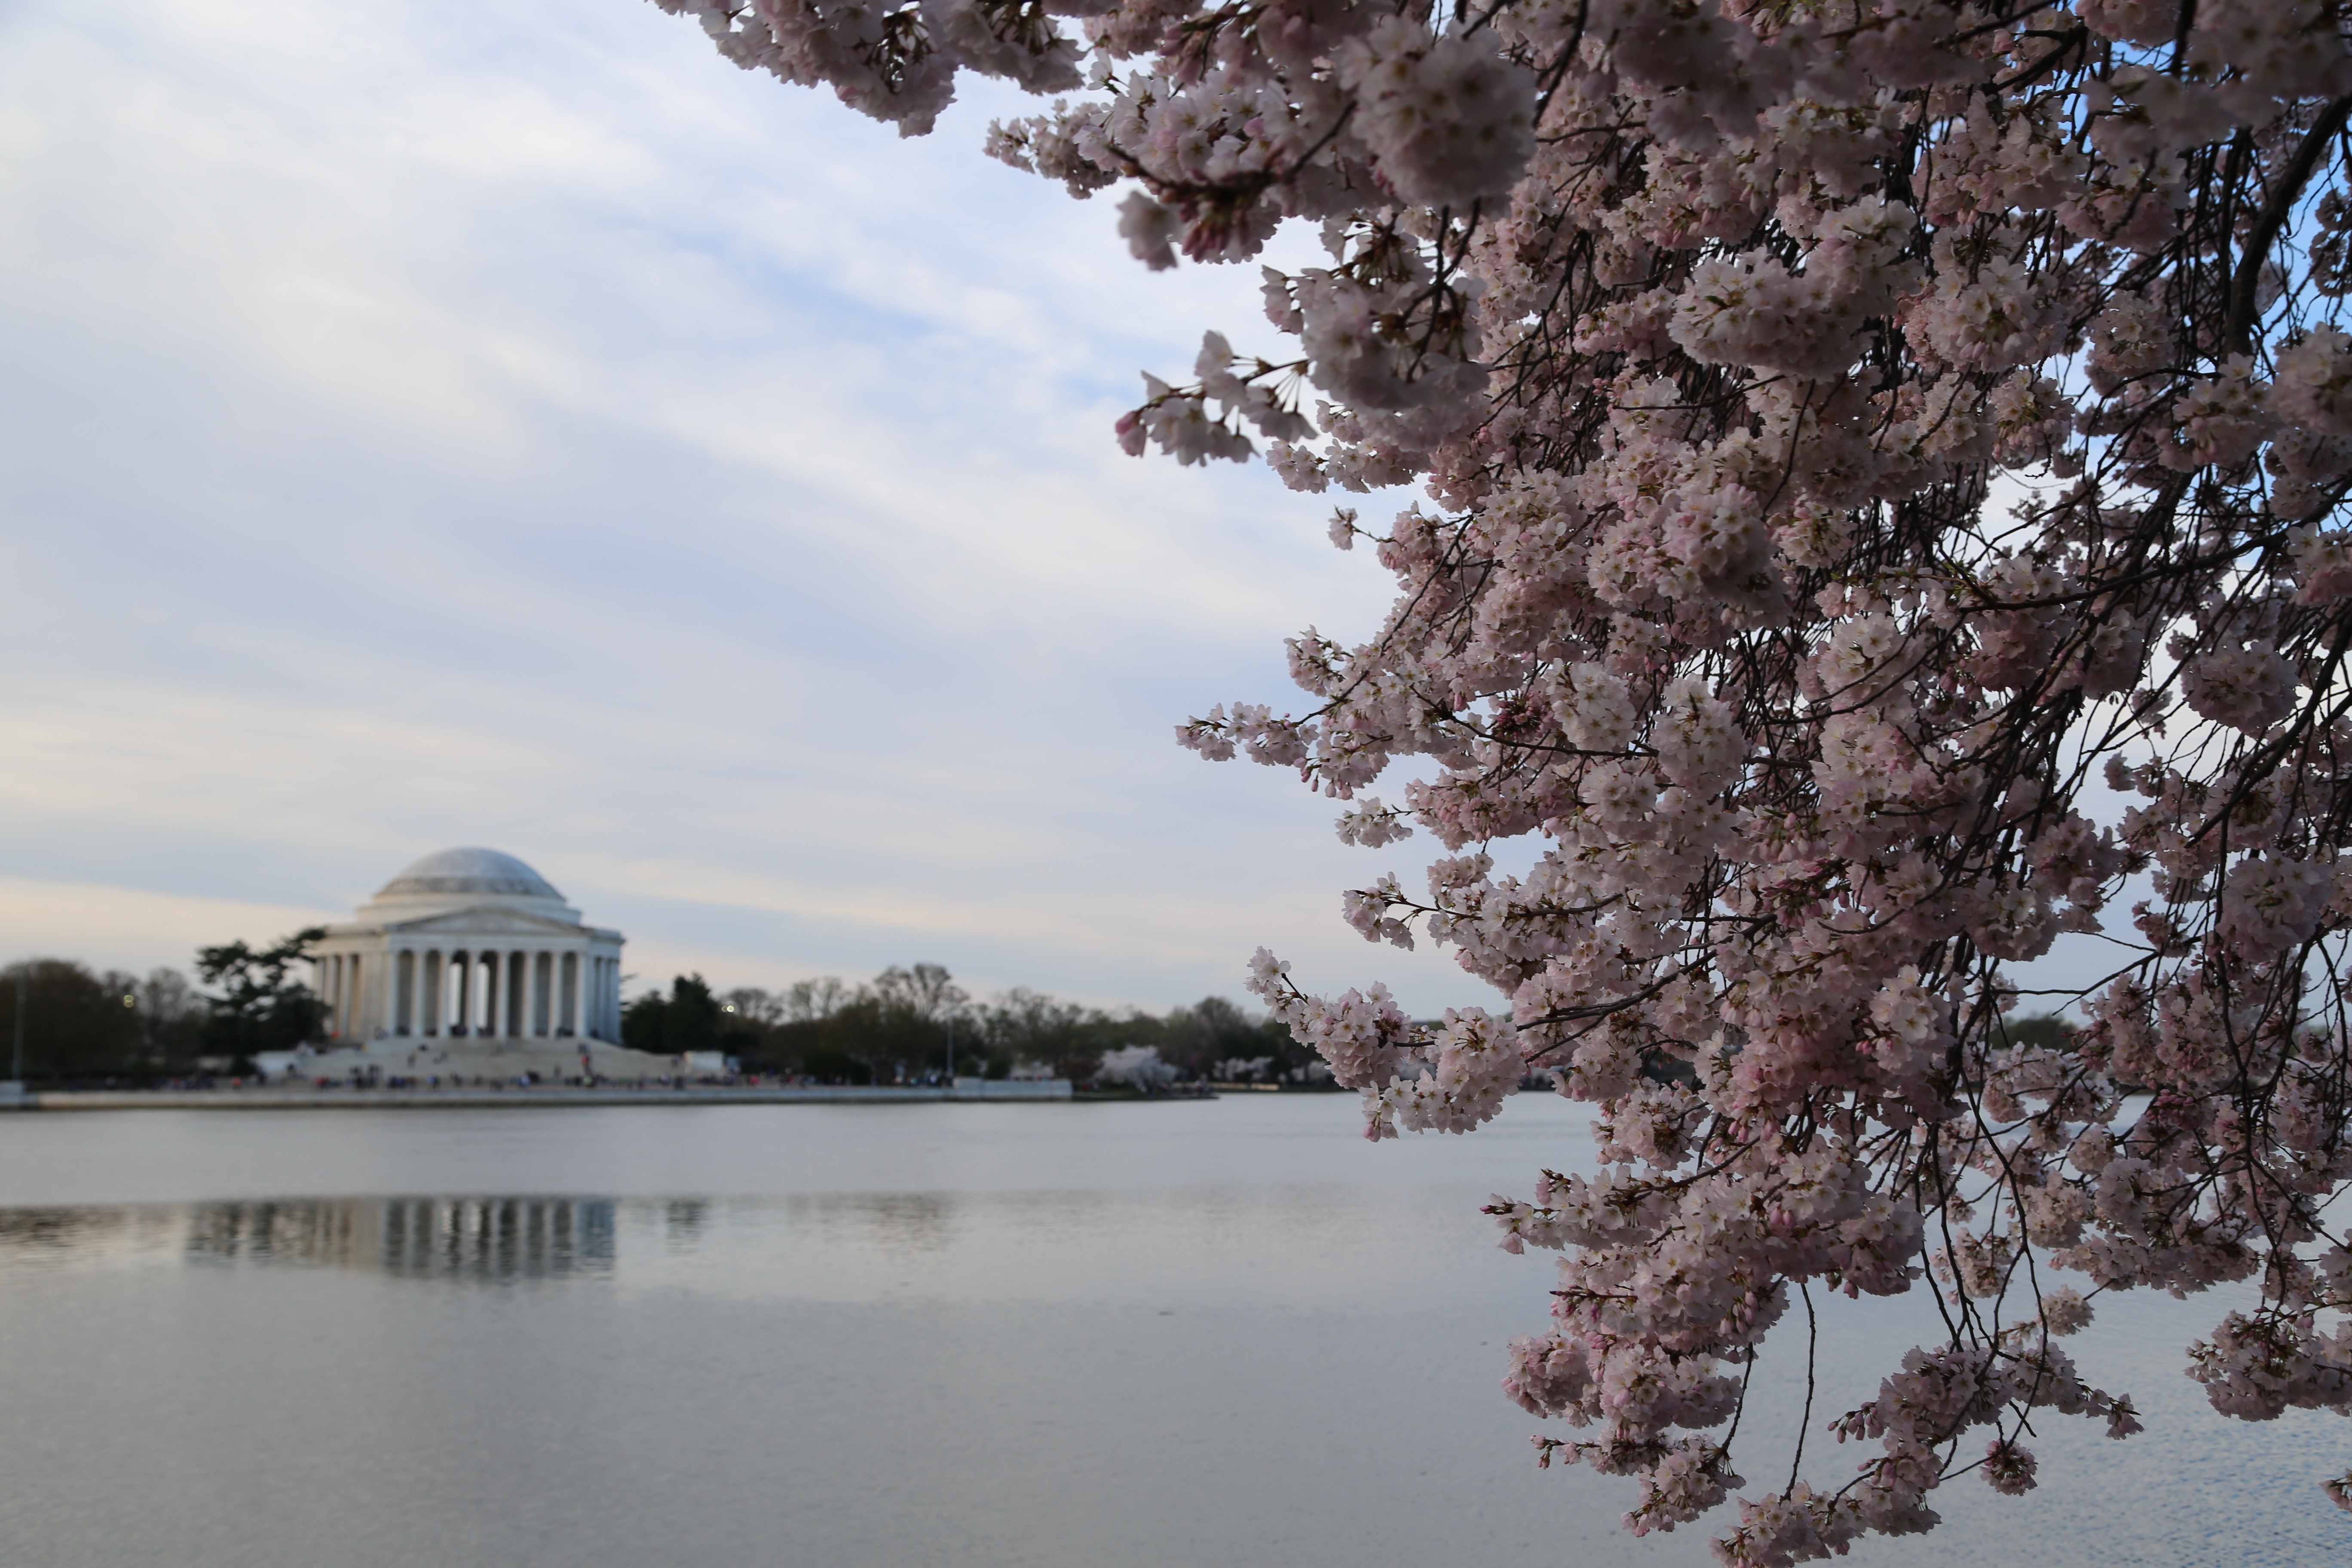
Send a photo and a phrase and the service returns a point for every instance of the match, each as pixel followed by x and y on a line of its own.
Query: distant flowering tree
pixel 1884 464
pixel 1138 1067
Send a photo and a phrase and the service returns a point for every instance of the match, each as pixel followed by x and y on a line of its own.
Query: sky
pixel 504 423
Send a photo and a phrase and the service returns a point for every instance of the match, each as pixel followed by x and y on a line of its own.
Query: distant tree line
pixel 80 1025
pixel 89 1026
pixel 97 1027
pixel 908 1022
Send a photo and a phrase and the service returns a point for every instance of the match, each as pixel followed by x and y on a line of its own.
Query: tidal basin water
pixel 1174 1335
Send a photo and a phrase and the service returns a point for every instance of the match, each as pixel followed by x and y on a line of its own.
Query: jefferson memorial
pixel 470 963
pixel 470 944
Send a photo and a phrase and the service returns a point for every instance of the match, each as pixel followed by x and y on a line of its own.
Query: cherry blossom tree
pixel 1878 474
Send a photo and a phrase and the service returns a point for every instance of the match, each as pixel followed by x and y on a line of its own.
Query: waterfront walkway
pixel 308 1098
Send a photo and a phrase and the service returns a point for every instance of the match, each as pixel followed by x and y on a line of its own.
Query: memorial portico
pixel 469 944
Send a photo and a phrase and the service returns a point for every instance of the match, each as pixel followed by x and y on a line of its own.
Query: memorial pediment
pixel 486 920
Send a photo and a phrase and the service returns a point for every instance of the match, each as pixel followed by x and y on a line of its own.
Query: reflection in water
pixel 912 1222
pixel 480 1238
pixel 484 1239
pixel 34 1238
pixel 488 1240
pixel 682 1220
pixel 831 1238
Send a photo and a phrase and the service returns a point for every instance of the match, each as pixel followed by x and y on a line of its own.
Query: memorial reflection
pixel 488 1240
pixel 826 1237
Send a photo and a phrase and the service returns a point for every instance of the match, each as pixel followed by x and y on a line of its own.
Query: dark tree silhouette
pixel 258 1004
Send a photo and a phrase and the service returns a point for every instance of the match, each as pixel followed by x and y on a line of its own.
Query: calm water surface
pixel 1181 1335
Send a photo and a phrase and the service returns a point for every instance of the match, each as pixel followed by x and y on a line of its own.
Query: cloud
pixel 506 423
pixel 75 919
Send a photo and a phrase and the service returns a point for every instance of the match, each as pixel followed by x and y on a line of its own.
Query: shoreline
pixel 968 1091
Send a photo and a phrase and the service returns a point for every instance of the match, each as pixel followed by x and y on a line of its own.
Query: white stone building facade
pixel 469 944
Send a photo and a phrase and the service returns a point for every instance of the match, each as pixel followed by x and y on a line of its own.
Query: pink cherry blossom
pixel 1877 484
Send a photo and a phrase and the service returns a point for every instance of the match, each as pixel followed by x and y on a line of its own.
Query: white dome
pixel 469 871
pixel 461 878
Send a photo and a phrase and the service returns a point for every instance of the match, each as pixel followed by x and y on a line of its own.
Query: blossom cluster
pixel 1880 474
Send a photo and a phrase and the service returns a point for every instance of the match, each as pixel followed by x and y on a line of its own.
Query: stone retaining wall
pixel 447 1098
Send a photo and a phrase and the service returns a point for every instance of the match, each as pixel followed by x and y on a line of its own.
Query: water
pixel 972 1336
